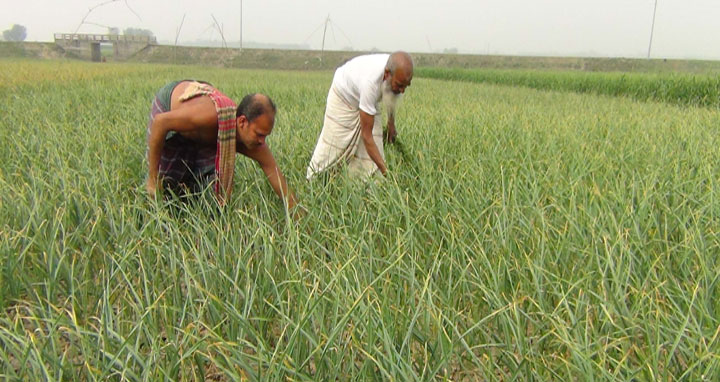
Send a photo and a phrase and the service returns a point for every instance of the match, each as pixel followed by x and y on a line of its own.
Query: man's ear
pixel 241 121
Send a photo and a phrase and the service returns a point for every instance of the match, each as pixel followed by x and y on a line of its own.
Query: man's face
pixel 253 134
pixel 399 80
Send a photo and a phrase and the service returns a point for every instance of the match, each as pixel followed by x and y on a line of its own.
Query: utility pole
pixel 652 29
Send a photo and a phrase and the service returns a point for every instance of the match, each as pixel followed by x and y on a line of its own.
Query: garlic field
pixel 521 234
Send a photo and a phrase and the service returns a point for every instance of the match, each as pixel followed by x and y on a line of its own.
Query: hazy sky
pixel 683 28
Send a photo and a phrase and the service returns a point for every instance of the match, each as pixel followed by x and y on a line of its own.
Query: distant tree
pixel 113 30
pixel 450 50
pixel 16 33
pixel 138 32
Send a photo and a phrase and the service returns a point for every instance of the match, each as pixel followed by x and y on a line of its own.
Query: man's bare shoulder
pixel 197 112
pixel 195 119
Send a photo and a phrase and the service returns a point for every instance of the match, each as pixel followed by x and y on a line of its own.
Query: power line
pixel 241 25
pixel 220 30
pixel 324 25
pixel 652 29
pixel 342 32
pixel 313 32
pixel 83 22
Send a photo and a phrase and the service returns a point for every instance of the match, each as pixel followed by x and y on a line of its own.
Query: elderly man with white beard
pixel 352 130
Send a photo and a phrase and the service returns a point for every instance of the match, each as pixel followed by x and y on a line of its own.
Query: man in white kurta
pixel 352 131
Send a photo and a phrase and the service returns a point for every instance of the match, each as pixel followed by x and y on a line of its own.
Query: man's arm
pixel 195 118
pixel 366 125
pixel 263 156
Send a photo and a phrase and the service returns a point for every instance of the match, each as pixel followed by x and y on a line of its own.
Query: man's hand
pixel 390 133
pixel 264 158
pixel 151 188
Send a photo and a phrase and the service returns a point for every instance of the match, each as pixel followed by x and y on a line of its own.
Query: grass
pixel 683 89
pixel 524 235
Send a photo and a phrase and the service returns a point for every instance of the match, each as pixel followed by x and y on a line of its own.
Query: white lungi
pixel 341 140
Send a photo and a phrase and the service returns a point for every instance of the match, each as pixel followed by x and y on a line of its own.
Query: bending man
pixel 194 133
pixel 352 130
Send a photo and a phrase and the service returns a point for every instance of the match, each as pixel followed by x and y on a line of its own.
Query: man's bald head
pixel 400 60
pixel 398 72
pixel 254 105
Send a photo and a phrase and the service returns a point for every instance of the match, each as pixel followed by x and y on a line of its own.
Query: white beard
pixel 390 99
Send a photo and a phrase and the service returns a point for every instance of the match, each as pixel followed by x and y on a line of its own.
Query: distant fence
pixel 67 37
